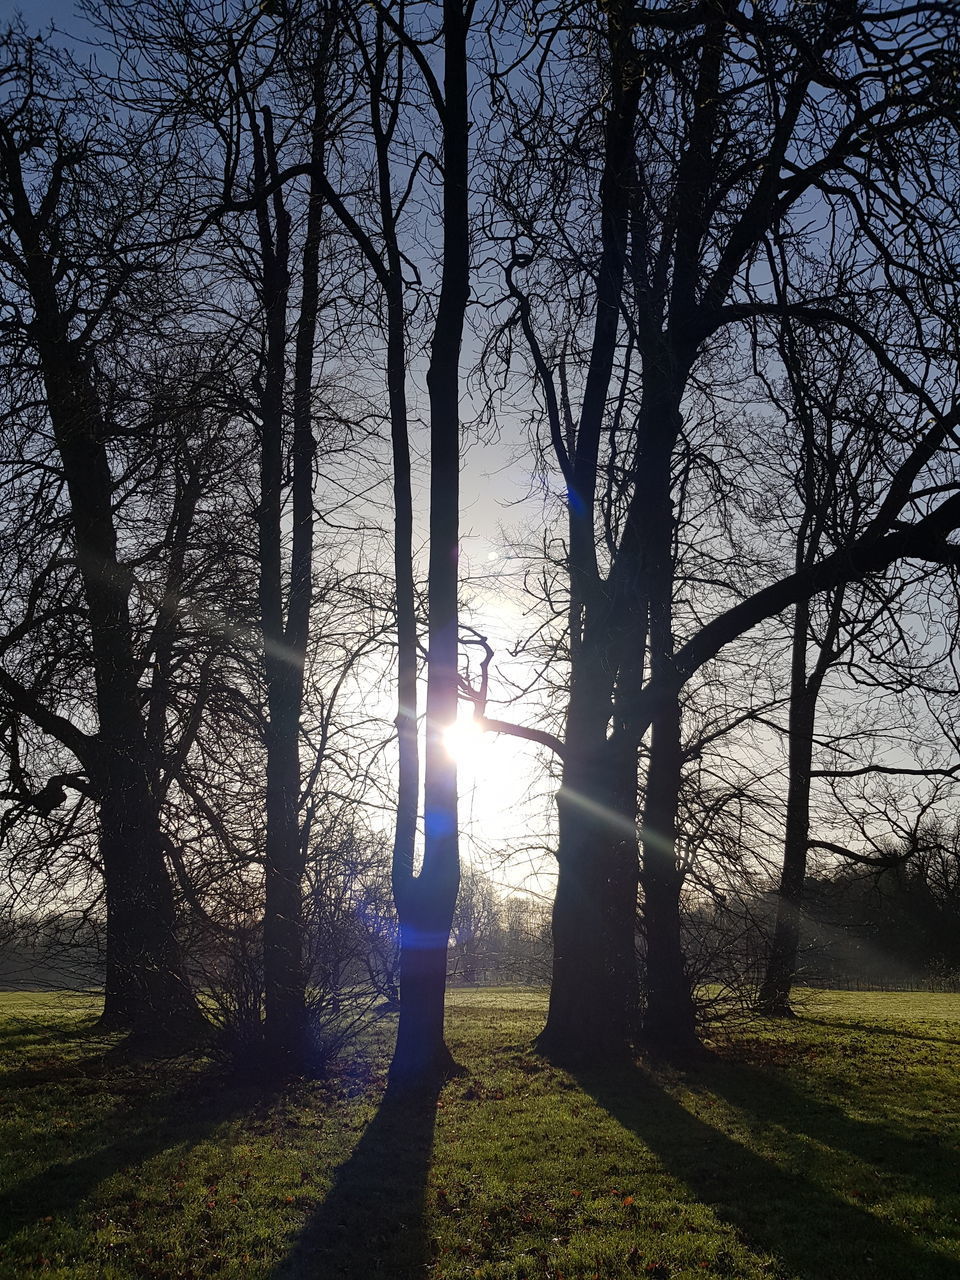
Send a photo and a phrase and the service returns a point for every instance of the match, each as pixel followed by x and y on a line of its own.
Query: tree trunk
pixel 593 994
pixel 421 1056
pixel 286 631
pixel 145 991
pixel 425 905
pixel 669 1025
pixel 592 1013
pixel 285 1022
pixel 774 995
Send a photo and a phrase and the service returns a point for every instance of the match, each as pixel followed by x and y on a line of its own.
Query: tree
pixel 78 259
pixel 285 624
pixel 425 898
pixel 735 142
pixel 426 901
pixel 842 465
pixel 254 105
pixel 227 102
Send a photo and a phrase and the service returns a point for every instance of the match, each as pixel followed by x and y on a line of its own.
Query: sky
pixel 506 807
pixel 39 14
pixel 505 797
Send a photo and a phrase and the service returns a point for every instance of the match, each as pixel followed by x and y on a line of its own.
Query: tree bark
pixel 774 995
pixel 669 1027
pixel 285 1015
pixel 145 992
pixel 593 994
pixel 669 1023
pixel 425 905
pixel 146 988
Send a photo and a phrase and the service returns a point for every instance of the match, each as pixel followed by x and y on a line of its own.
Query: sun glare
pixel 464 740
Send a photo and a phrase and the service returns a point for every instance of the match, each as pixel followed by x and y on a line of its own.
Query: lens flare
pixel 463 740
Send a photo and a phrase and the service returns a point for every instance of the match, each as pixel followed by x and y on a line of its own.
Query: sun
pixel 464 739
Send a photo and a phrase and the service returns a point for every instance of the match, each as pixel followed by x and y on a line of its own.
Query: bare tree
pixel 722 127
pixel 80 254
pixel 842 465
pixel 389 51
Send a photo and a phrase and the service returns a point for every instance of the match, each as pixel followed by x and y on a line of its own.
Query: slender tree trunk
pixel 669 1026
pixel 285 1021
pixel 774 995
pixel 284 983
pixel 390 273
pixel 286 631
pixel 425 905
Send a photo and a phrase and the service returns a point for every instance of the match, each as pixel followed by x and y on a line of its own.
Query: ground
pixel 826 1147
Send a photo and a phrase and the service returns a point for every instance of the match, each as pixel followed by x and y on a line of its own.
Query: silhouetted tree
pixel 722 127
pixel 390 52
pixel 78 198
pixel 843 462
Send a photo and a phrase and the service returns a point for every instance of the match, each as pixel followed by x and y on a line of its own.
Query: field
pixel 825 1148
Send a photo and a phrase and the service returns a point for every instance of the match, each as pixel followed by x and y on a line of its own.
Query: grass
pixel 824 1148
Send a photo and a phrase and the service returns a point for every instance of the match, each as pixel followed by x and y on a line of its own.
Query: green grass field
pixel 824 1148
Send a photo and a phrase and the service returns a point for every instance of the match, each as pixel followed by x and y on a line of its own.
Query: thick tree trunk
pixel 421 1056
pixel 119 1011
pixel 145 992
pixel 593 994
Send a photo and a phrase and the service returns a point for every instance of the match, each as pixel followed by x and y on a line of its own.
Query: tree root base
pixel 423 1075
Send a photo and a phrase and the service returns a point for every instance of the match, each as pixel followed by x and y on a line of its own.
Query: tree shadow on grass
pixel 100 1059
pixel 123 1138
pixel 931 1166
pixel 21 1034
pixel 878 1029
pixel 372 1222
pixel 815 1234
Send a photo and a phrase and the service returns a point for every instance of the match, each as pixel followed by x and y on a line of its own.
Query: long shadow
pixel 372 1221
pixel 99 1062
pixel 815 1234
pixel 877 1029
pixel 22 1033
pixel 932 1166
pixel 186 1114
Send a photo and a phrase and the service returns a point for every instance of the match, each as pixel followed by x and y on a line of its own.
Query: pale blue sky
pixel 39 13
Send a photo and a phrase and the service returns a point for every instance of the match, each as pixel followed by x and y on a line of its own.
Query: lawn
pixel 824 1148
